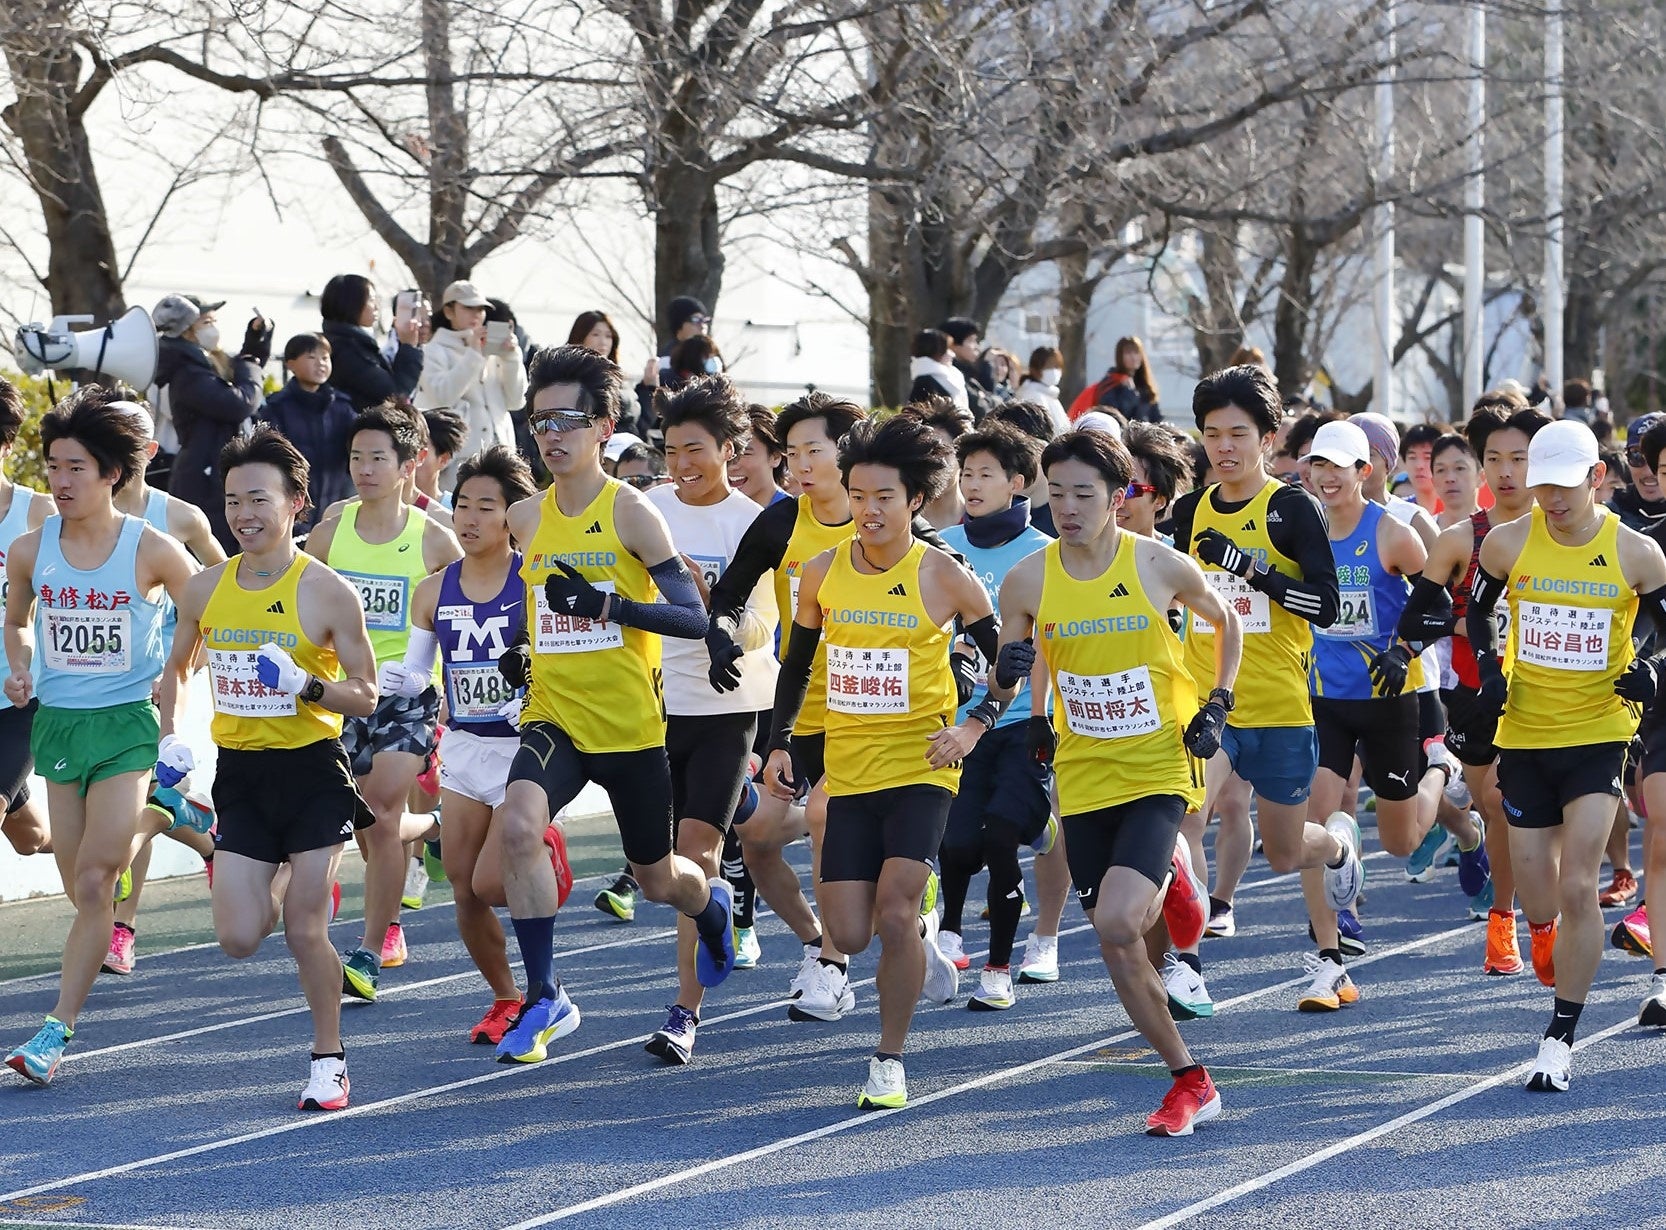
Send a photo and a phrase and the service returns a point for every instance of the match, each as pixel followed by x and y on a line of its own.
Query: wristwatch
pixel 314 690
pixel 1228 701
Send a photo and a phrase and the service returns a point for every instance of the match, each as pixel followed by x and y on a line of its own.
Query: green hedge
pixel 26 465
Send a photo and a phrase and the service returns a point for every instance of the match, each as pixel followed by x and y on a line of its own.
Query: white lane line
pixel 875 1116
pixel 1250 1186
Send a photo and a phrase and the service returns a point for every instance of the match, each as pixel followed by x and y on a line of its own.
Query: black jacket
pixel 359 370
pixel 320 425
pixel 207 411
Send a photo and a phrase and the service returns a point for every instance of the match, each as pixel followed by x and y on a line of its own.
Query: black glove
pixel 1041 740
pixel 1014 661
pixel 1203 732
pixel 1639 682
pixel 257 342
pixel 515 665
pixel 1388 670
pixel 1214 547
pixel 568 593
pixel 724 673
pixel 965 677
pixel 1495 689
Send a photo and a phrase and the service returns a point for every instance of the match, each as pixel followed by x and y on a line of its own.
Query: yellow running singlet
pixel 809 539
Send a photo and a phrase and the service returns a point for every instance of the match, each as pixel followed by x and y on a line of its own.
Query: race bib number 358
pixel 89 642
pixel 383 599
pixel 1569 638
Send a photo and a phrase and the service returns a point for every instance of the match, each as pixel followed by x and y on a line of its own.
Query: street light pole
pixel 1553 197
pixel 1383 228
pixel 1475 197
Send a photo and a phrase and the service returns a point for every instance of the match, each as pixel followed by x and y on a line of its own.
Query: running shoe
pixel 994 993
pixel 1191 1100
pixel 1503 954
pixel 714 955
pixel 1631 933
pixel 124 885
pixel 327 1087
pixel 360 972
pixel 39 1057
pixel 432 862
pixel 928 899
pixel 1331 987
pixel 1188 993
pixel 1439 757
pixel 429 778
pixel 119 960
pixel 1420 867
pixel 942 982
pixel 1041 959
pixel 1480 905
pixel 1620 891
pixel 1223 924
pixel 1186 903
pixel 416 887
pixel 394 951
pixel 1350 934
pixel 824 995
pixel 1544 952
pixel 747 949
pixel 953 947
pixel 1653 1012
pixel 1048 837
pixel 1474 869
pixel 1342 884
pixel 555 837
pixel 1023 906
pixel 496 1022
pixel 674 1041
pixel 887 1087
pixel 618 899
pixel 1553 1069
pixel 806 966
pixel 535 1026
pixel 183 810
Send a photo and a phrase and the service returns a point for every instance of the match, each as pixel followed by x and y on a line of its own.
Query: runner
pixel 1125 727
pixel 385 547
pixel 279 629
pixel 885 602
pixel 1632 932
pixel 597 556
pixel 1266 549
pixel 84 634
pixel 1574 576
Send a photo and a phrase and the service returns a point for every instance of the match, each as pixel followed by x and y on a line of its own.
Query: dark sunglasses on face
pixel 1634 457
pixel 559 421
pixel 643 482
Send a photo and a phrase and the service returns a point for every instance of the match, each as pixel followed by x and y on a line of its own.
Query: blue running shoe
pixel 1474 870
pixel 39 1057
pixel 1421 865
pixel 186 812
pixel 714 955
pixel 536 1027
pixel 1350 934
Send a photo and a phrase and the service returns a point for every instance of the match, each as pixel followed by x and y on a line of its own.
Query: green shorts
pixel 81 746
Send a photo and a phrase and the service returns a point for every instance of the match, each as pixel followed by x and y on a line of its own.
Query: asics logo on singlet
pixel 889 619
pixel 1362 548
pixel 1094 627
pixel 897 591
pixel 248 636
pixel 1559 585
pixel 1597 561
pixel 595 527
pixel 1121 591
pixel 578 559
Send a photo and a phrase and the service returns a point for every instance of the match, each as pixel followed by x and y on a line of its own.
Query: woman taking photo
pixel 472 369
pixel 350 311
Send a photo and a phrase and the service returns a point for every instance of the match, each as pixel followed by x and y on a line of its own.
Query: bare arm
pixel 187 523
pixel 20 614
pixel 354 696
pixel 318 542
pixel 439 546
pixel 1196 593
pixel 182 655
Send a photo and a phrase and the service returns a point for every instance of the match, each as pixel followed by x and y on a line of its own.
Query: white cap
pixel 617 443
pixel 1098 420
pixel 1341 442
pixel 1561 454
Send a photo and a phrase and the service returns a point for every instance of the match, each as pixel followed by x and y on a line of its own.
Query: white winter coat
pixel 481 388
pixel 1047 396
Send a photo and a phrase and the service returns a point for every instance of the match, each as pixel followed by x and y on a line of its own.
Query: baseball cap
pixel 617 443
pixel 466 294
pixel 1640 427
pixel 173 314
pixel 1341 442
pixel 1380 431
pixel 1561 454
pixel 1098 420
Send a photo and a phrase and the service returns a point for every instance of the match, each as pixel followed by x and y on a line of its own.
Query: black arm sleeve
pixel 406 369
pixel 1481 620
pixel 793 684
pixel 1300 532
pixel 681 615
pixel 986 635
pixel 1427 598
pixel 1185 509
pixel 1653 604
pixel 761 550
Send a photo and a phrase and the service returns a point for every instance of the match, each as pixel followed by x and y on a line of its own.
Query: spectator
pixel 1576 401
pixel 1250 354
pixel 499 312
pixel 317 418
pixel 687 317
pixel 1004 372
pixel 1041 385
pixel 932 372
pixel 965 341
pixel 1641 506
pixel 410 303
pixel 349 310
pixel 474 369
pixel 207 409
pixel 642 466
pixel 695 355
pixel 1127 388
pixel 594 331
pixel 447 433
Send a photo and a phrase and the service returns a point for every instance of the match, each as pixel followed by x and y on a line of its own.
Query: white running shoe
pixel 416 885
pixel 1342 884
pixel 1331 987
pixel 1653 1012
pixel 1457 790
pixel 953 947
pixel 994 993
pixel 806 967
pixel 942 982
pixel 1223 924
pixel 887 1087
pixel 1041 959
pixel 328 1087
pixel 1553 1069
pixel 1187 991
pixel 826 995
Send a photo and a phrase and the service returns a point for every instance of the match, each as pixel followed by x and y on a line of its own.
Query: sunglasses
pixel 642 482
pixel 1634 457
pixel 557 421
pixel 700 321
pixel 1136 490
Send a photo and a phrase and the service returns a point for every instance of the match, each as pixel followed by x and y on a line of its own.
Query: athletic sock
pixel 887 1055
pixel 1331 954
pixel 1177 1073
pixel 536 937
pixel 710 921
pixel 341 1055
pixel 1191 959
pixel 815 943
pixel 833 963
pixel 1216 905
pixel 1564 1018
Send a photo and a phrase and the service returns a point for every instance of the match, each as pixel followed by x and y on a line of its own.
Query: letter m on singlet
pixel 487 635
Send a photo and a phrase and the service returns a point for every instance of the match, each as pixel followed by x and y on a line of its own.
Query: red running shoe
pixel 556 840
pixel 1191 1100
pixel 1186 904
pixel 1544 951
pixel 499 1017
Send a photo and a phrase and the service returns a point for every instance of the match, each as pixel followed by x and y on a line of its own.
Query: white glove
pixel 510 710
pixel 397 679
pixel 174 761
pixel 277 670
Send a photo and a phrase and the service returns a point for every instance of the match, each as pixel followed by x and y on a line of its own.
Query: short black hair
pixel 1421 433
pixel 711 402
pixel 906 445
pixel 1303 427
pixel 1167 458
pixel 344 298
pixel 1248 386
pixel 764 430
pixel 305 344
pixel 446 431
pixel 601 384
pixel 499 310
pixel 1099 449
pixel 839 413
pixel 959 328
pixel 117 440
pixel 1653 444
pixel 1449 441
pixel 266 445
pixel 1488 421
pixel 1018 454
pixel 398 421
pixel 1028 417
pixel 941 412
pixel 641 452
pixel 930 344
pixel 504 464
pixel 12 411
pixel 690 354
pixel 1576 392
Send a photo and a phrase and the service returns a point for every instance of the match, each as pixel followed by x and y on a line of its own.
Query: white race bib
pixel 1569 638
pixel 478 691
pixel 1356 618
pixel 1117 706
pixel 711 567
pixel 1254 607
pixel 383 599
pixel 555 633
pixel 867 680
pixel 238 691
pixel 792 598
pixel 89 642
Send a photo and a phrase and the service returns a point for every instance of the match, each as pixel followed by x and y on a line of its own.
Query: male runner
pixel 1097 602
pixel 598 555
pixel 1632 932
pixel 84 634
pixel 1574 576
pixel 24 823
pixel 385 547
pixel 278 629
pixel 885 603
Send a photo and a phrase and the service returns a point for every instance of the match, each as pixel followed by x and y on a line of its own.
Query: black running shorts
pixel 1384 733
pixel 1002 789
pixel 638 785
pixel 1139 834
pixel 1471 724
pixel 1653 735
pixel 1539 782
pixel 274 802
pixel 15 761
pixel 708 765
pixel 863 830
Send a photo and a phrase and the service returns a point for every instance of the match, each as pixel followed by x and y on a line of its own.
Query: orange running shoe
pixel 1191 1100
pixel 1503 954
pixel 499 1017
pixel 1544 951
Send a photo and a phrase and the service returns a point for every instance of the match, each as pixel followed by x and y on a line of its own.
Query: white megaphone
pixel 125 348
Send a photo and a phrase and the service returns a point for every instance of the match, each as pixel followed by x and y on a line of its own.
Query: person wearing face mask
pixel 464 370
pixel 206 408
pixel 1041 385
pixel 694 356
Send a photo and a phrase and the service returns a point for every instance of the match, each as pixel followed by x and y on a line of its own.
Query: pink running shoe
pixel 394 951
pixel 120 958
pixel 1631 933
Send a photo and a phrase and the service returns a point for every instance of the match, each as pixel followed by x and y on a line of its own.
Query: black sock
pixel 342 1055
pixel 815 943
pixel 1191 959
pixel 841 966
pixel 958 866
pixel 887 1055
pixel 711 920
pixel 1331 954
pixel 1217 906
pixel 1006 897
pixel 1177 1073
pixel 1563 1018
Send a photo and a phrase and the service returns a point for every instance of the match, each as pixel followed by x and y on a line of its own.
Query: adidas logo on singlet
pixel 276 608
pixel 595 528
pixel 1598 561
pixel 1250 525
pixel 897 591
pixel 1121 590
